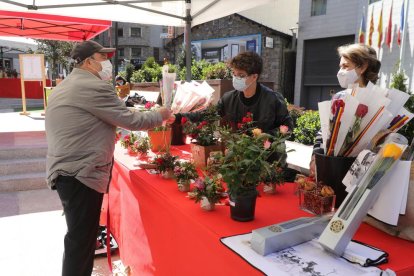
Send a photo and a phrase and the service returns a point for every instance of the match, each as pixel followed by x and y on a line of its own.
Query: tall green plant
pixel 398 82
pixel 56 52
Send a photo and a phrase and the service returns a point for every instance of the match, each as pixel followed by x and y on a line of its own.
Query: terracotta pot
pixel 160 140
pixel 201 154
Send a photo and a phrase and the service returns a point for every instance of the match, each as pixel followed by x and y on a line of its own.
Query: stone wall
pixel 236 25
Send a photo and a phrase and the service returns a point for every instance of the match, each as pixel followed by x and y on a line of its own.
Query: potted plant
pixel 203 135
pixel 245 165
pixel 165 164
pixel 142 146
pixel 128 141
pixel 273 178
pixel 160 138
pixel 184 172
pixel 208 192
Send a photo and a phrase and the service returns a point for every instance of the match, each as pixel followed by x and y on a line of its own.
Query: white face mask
pixel 239 83
pixel 346 78
pixel 106 72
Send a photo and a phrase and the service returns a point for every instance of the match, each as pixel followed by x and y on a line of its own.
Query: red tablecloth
pixel 161 232
pixel 11 88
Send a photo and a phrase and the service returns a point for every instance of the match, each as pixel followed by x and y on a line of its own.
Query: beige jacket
pixel 81 118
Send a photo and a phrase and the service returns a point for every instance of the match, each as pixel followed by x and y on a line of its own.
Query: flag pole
pixel 406 3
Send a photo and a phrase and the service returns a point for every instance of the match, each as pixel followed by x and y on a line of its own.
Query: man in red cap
pixel 81 118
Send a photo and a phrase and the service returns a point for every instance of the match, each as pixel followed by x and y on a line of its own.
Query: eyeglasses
pixel 239 77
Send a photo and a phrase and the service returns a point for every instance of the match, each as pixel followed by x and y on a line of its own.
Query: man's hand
pixel 165 113
pixel 171 120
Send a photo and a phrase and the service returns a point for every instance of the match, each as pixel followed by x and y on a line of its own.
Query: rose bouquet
pixel 207 191
pixel 184 172
pixel 128 141
pixel 165 164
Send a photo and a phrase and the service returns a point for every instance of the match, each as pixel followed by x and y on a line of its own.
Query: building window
pixel 135 32
pixel 156 53
pixel 121 52
pixel 318 7
pixel 136 52
pixel 120 32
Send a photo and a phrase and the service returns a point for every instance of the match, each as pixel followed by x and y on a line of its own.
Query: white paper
pixel 387 207
pixel 358 169
pixel 305 259
pixel 324 111
pixel 347 121
pixel 398 99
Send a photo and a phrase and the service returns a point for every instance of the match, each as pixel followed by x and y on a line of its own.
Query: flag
pixel 362 28
pixel 380 29
pixel 371 28
pixel 388 39
pixel 401 29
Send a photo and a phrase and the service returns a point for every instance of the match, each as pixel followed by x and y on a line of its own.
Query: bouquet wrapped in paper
pixel 191 97
pixel 350 121
pixel 167 86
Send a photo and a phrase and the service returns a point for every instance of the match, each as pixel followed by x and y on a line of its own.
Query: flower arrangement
pixel 142 145
pixel 209 188
pixel 128 141
pixel 203 132
pixel 165 162
pixel 185 171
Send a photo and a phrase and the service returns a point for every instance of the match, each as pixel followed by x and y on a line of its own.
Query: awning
pixel 47 26
pixel 156 12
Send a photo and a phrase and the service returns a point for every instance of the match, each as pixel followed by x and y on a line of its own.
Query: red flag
pixel 388 39
pixel 371 28
pixel 380 30
pixel 401 28
pixel 361 35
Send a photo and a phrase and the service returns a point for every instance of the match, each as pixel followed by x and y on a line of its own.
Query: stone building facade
pixel 234 26
pixel 136 42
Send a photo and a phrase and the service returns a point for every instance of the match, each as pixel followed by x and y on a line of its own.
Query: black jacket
pixel 268 108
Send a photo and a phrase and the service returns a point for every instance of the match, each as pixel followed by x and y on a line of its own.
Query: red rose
pixel 203 123
pixel 184 120
pixel 248 114
pixel 249 119
pixel 361 111
pixel 336 105
pixel 239 125
pixel 245 120
pixel 159 161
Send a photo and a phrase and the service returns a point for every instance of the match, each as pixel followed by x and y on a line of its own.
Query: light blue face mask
pixel 239 83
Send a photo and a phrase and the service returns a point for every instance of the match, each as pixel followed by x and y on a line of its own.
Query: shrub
pixel 307 126
pixel 129 70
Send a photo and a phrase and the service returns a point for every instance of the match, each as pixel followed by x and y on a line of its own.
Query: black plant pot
pixel 177 135
pixel 242 207
pixel 331 170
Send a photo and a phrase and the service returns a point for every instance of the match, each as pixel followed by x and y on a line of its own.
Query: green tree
pixel 56 52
